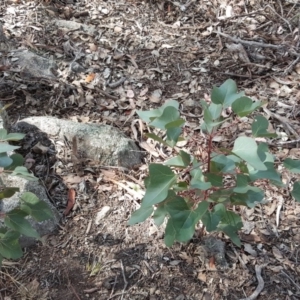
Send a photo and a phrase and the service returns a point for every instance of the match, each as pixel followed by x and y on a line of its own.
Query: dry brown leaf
pixel 89 78
pixel 202 276
pixel 156 96
pixel 71 201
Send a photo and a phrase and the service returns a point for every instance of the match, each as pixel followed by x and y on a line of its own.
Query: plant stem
pixel 209 150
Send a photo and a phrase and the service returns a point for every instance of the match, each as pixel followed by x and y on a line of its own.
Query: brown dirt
pixel 156 46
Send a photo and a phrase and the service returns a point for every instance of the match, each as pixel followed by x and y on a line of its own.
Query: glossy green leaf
pixel 140 215
pixel 148 116
pixel 296 191
pixel 260 127
pixel 15 219
pixel 161 178
pixel 182 160
pixel 292 164
pixel 226 94
pixel 244 106
pixel 246 148
pixel 4 147
pixel 23 173
pixel 36 208
pixel 9 245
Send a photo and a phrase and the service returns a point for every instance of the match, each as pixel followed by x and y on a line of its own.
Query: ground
pixel 136 55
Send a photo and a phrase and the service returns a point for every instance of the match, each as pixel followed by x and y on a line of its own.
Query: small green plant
pixel 14 223
pixel 206 196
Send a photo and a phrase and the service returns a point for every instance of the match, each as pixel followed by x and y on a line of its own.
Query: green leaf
pixel 244 106
pixel 215 111
pixel 17 160
pixel 156 138
pixel 5 161
pixel 198 180
pixel 169 115
pixel 230 223
pixel 176 123
pixel 231 232
pixel 270 174
pixel 159 215
pixel 296 191
pixel 161 178
pixel 226 94
pixel 15 219
pixel 7 192
pixel 242 180
pixel 210 220
pixel 4 147
pixel 214 179
pixel 247 195
pixel 173 136
pixel 182 160
pixel 222 163
pixel 220 196
pixel 180 186
pixel 3 134
pixel 182 221
pixel 292 164
pixel 210 123
pixel 268 160
pixel 140 215
pixel 11 136
pixel 246 148
pixel 36 208
pixel 23 173
pixel 9 245
pixel 260 127
pixel 201 209
pixel 148 116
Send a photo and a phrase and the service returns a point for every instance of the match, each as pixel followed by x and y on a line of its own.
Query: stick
pixel 260 285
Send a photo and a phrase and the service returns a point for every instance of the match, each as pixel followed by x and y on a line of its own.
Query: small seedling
pixel 207 196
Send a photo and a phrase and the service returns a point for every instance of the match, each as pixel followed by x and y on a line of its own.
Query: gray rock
pixel 101 143
pixel 6 205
